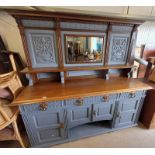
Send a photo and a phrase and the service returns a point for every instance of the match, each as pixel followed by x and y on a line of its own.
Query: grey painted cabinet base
pixel 67 120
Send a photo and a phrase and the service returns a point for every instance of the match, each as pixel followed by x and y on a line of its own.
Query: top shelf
pixel 65 69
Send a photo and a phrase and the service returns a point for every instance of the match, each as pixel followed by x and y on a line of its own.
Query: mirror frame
pixel 79 35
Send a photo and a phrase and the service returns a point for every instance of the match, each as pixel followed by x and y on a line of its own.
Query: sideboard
pixel 56 113
pixel 80 75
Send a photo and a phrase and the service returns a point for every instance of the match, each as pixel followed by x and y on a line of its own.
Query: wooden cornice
pixel 70 16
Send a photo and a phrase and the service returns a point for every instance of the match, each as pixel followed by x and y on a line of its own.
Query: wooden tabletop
pixel 50 91
pixel 56 69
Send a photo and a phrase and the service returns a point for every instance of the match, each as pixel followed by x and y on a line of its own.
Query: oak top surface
pixel 55 69
pixel 50 91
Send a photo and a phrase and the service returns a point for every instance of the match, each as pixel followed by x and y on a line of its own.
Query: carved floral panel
pixel 118 50
pixel 43 48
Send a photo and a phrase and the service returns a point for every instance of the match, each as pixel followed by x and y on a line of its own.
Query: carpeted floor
pixel 136 137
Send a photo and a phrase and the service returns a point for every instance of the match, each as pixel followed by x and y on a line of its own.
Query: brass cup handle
pixel 79 102
pixel 43 106
pixel 61 125
pixel 105 98
pixel 132 95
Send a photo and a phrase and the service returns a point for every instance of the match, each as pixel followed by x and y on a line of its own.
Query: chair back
pixel 11 81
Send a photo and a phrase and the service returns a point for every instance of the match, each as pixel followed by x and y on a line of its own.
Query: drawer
pixel 43 106
pixel 132 95
pixel 90 100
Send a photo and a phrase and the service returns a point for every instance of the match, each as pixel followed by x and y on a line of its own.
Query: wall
pixel 146 35
pixel 10 34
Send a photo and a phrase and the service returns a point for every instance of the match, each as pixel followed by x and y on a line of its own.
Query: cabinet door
pixel 77 115
pixel 126 112
pixel 45 126
pixel 42 48
pixel 103 111
pixel 118 48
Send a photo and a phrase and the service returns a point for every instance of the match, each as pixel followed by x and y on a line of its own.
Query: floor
pixel 135 137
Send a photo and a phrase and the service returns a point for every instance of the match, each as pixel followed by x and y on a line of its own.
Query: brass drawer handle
pixel 132 94
pixel 61 125
pixel 43 106
pixel 105 98
pixel 79 102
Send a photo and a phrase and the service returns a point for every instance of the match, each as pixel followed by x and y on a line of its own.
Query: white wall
pixel 146 35
pixel 10 34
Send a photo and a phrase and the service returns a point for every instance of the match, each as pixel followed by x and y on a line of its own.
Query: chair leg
pixel 14 124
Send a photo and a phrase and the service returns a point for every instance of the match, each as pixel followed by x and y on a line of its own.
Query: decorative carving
pixel 43 48
pixel 119 49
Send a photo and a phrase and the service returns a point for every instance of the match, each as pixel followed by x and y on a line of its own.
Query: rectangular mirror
pixel 83 49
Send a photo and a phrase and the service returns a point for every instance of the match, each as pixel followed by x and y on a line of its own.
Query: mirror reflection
pixel 84 49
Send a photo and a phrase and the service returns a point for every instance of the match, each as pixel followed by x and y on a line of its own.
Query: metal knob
pixel 105 98
pixel 43 106
pixel 132 94
pixel 79 102
pixel 61 125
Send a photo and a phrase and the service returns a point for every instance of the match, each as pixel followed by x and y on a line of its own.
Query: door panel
pixel 45 126
pixel 126 112
pixel 103 111
pixel 78 115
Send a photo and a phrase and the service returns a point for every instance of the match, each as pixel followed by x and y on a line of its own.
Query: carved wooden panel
pixel 118 49
pixel 42 48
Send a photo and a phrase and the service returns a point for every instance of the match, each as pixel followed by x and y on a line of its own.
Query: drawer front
pixel 90 100
pixel 43 106
pixel 132 95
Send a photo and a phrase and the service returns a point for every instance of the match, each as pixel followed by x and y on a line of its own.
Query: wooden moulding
pixel 21 29
pixel 71 16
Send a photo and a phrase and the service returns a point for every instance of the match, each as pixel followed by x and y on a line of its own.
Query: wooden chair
pixel 8 115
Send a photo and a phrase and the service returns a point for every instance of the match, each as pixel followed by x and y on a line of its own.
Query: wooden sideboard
pixel 54 113
pixel 80 76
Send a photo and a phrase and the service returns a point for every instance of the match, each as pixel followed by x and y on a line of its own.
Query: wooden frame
pixel 79 35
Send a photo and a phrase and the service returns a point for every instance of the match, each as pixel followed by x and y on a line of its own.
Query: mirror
pixel 83 49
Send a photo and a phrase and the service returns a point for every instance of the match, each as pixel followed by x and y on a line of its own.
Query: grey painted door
pixel 78 115
pixel 103 111
pixel 45 126
pixel 42 48
pixel 126 112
